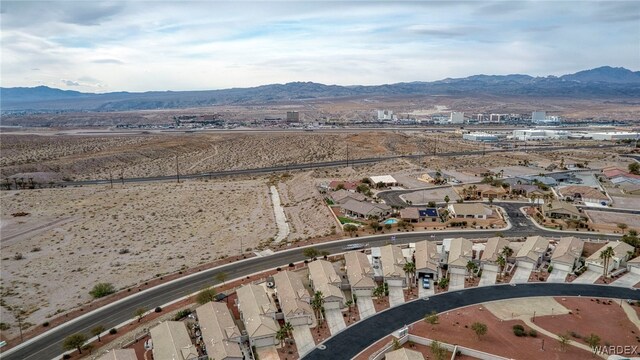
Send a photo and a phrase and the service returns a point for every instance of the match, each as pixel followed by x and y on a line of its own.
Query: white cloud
pixel 139 45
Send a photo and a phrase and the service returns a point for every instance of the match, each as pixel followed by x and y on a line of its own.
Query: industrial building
pixel 540 134
pixel 480 136
pixel 612 136
pixel 386 115
pixel 456 117
pixel 293 116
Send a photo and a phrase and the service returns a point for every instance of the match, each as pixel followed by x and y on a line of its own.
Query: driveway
pixel 304 339
pixel 557 276
pixel 521 275
pixel 422 292
pixel 589 277
pixel 488 277
pixel 456 282
pixel 396 296
pixel 365 306
pixel 335 320
pixel 627 280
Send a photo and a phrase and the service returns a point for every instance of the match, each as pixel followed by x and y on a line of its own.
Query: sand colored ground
pixel 510 309
pixel 123 236
pixel 608 221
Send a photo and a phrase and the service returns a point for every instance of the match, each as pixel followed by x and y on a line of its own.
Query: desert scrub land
pixel 73 238
pixel 82 157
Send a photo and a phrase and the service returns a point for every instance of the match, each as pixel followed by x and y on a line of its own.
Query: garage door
pixel 332 304
pixel 525 264
pixel 301 320
pixel 635 270
pixel 265 341
pixel 395 283
pixel 563 267
pixel 363 292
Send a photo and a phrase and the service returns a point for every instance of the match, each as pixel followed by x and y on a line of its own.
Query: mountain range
pixel 602 82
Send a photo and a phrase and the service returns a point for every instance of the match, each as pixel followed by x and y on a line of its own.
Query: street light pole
pixel 19 318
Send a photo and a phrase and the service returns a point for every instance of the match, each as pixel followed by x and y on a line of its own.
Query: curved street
pixel 358 337
pixel 49 345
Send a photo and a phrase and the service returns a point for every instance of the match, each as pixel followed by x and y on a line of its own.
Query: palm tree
pixel 317 303
pixel 288 328
pixel 281 335
pixel 410 270
pixel 507 252
pixel 606 255
pixel 349 304
pixel 502 262
pixel 471 266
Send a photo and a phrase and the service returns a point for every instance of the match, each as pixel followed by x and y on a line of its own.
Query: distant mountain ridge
pixel 604 81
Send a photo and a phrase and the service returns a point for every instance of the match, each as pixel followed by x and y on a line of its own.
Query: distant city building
pixel 540 134
pixel 385 115
pixel 615 136
pixel 480 136
pixel 538 116
pixel 497 118
pixel 456 117
pixel 293 116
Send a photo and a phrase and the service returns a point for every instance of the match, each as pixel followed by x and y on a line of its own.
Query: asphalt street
pixel 49 346
pixel 358 337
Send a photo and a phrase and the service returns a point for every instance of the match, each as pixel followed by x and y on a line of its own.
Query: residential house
pixel 410 214
pixel 119 354
pixel 258 313
pixel 365 210
pixel 359 273
pixel 621 253
pixel 528 191
pixel 404 354
pixel 544 180
pixel 432 176
pixel 323 278
pixel 565 178
pixel 583 193
pixel 486 191
pixel 492 250
pixel 459 253
pixel 386 180
pixel 428 214
pixel 562 210
pixel 393 265
pixel 427 260
pixel 566 255
pixel 633 265
pixel 342 196
pixel 469 211
pixel 294 298
pixel 171 341
pixel 532 252
pixel 220 334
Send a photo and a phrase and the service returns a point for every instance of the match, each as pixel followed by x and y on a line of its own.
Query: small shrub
pixel 518 330
pixel 102 289
pixel 4 326
pixel 45 324
pixel 113 331
pixel 158 309
pixel 533 333
pixel 66 356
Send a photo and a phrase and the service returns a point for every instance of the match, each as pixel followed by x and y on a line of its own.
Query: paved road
pixel 49 346
pixel 358 337
pixel 306 166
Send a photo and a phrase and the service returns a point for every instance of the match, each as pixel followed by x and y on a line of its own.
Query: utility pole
pixel 111 179
pixel 122 175
pixel 347 154
pixel 19 318
pixel 177 169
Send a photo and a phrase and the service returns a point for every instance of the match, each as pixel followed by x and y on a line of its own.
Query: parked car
pixel 425 283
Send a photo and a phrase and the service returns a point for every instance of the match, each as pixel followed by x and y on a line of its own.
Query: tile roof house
pixel 493 249
pixel 622 252
pixel 459 254
pixel 342 196
pixel 633 265
pixel 427 260
pixel 527 190
pixel 532 252
pixel 359 273
pixel 583 193
pixel 294 298
pixel 562 210
pixel 487 191
pixel 324 278
pixel 469 210
pixel 566 255
pixel 404 354
pixel 119 354
pixel 220 334
pixel 171 341
pixel 258 314
pixel 392 265
pixel 365 209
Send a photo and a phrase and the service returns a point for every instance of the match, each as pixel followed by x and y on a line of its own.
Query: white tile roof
pixel 257 311
pixel 171 341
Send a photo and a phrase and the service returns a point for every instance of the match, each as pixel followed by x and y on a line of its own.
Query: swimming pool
pixel 390 221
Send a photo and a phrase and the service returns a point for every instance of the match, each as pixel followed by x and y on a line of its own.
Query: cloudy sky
pixel 183 45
